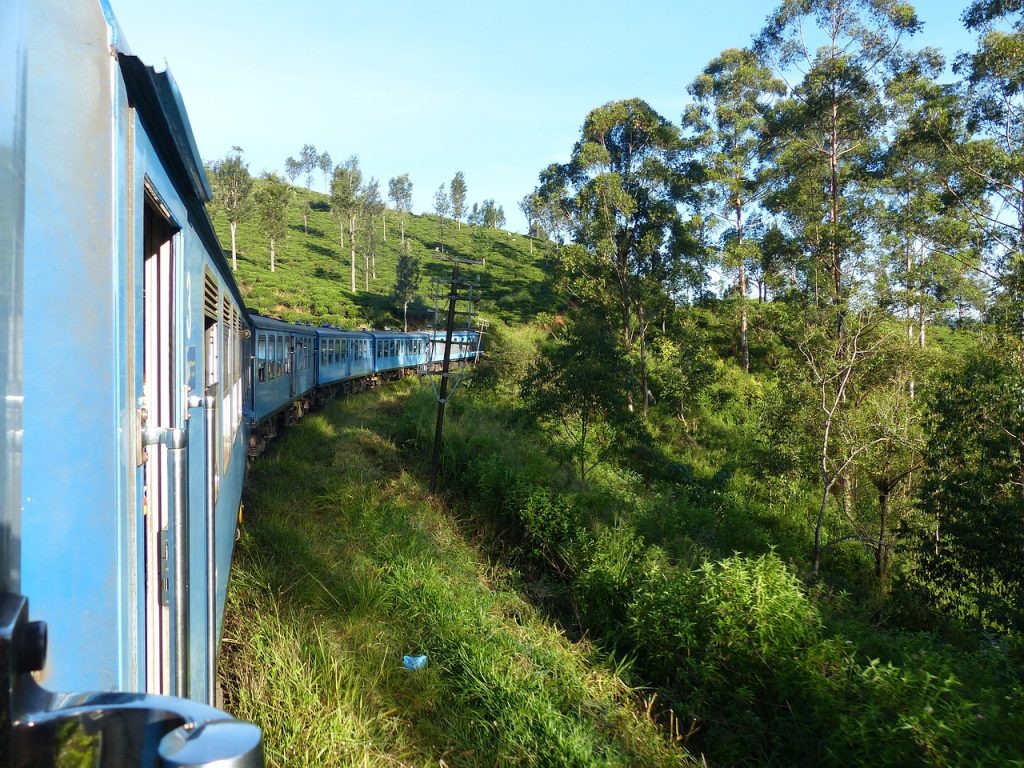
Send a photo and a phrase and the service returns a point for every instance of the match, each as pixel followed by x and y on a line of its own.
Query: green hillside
pixel 312 281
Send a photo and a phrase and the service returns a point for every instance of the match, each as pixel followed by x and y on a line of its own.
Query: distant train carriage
pixel 464 346
pixel 396 351
pixel 283 365
pixel 283 375
pixel 343 356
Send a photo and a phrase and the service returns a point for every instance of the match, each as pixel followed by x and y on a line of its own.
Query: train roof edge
pixel 161 109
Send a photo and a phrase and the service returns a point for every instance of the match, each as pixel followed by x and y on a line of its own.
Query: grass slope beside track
pixel 345 564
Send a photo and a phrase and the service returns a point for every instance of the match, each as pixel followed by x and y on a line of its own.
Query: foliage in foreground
pixel 345 566
pixel 758 666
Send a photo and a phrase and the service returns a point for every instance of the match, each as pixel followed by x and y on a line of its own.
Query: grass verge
pixel 345 565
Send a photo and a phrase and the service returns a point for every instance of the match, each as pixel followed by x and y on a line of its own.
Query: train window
pixel 280 355
pixel 271 357
pixel 261 358
pixel 323 353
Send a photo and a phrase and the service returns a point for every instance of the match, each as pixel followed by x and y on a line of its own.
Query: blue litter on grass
pixel 414 662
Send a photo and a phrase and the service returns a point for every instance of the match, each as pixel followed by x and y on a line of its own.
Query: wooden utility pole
pixel 444 391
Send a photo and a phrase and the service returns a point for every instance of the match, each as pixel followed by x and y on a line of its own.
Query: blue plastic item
pixel 414 662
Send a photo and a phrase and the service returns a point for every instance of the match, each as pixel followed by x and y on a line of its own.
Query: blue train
pixel 136 386
pixel 299 367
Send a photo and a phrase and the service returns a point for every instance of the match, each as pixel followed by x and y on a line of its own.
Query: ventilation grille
pixel 210 297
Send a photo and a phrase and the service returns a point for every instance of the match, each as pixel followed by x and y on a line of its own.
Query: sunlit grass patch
pixel 347 564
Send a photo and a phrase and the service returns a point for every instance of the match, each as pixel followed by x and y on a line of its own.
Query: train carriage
pixel 123 449
pixel 397 351
pixel 343 356
pixel 284 366
pixel 123 461
pixel 122 269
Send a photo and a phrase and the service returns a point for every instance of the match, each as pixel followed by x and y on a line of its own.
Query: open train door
pixel 158 382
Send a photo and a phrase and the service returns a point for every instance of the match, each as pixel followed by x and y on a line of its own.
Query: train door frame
pixel 290 367
pixel 158 371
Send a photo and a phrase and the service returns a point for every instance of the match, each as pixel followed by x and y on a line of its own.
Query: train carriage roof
pixel 156 97
pixel 341 332
pixel 262 322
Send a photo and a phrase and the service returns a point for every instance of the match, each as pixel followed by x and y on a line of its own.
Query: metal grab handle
pixel 176 442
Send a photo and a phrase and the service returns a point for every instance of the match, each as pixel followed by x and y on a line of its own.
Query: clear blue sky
pixel 496 90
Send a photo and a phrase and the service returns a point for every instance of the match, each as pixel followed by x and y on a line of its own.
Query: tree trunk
pixel 837 258
pixel 882 552
pixel 643 369
pixel 366 271
pixel 384 219
pixel 405 316
pixel 744 348
pixel 352 245
pixel 583 446
pixel 234 252
pixel 272 254
pixel 826 488
pixel 820 524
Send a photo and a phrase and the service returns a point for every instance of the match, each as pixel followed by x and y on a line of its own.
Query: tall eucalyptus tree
pixel 400 193
pixel 727 120
pixel 994 92
pixel 271 201
pixel 232 193
pixel 458 197
pixel 346 187
pixel 623 187
pixel 829 129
